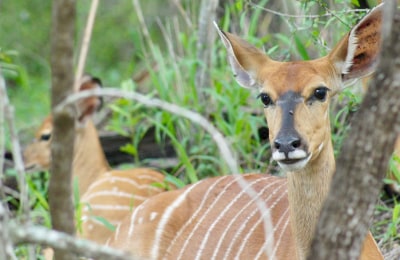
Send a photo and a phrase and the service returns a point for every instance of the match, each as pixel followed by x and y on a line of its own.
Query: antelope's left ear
pixel 88 106
pixel 356 55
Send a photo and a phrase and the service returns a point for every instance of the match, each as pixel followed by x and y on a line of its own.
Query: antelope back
pixel 112 196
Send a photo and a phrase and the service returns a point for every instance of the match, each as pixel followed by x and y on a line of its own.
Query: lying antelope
pixel 107 195
pixel 218 218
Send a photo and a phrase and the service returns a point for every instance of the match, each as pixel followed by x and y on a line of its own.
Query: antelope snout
pixel 286 145
pixel 290 151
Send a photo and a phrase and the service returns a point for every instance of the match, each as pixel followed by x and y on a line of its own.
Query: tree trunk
pixel 60 198
pixel 364 156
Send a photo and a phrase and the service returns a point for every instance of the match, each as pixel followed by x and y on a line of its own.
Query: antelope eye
pixel 45 137
pixel 320 93
pixel 265 99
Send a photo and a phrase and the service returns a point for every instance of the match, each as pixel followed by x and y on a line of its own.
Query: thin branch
pixel 223 146
pixel 8 110
pixel 3 96
pixel 86 42
pixel 6 249
pixel 58 240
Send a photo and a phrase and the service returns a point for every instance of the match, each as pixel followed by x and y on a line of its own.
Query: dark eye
pixel 320 93
pixel 267 101
pixel 45 137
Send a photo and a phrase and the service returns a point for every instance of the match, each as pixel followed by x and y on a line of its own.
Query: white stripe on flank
pixel 242 210
pixel 112 193
pixel 99 223
pixel 164 220
pixel 209 207
pixel 222 213
pixel 115 235
pixel 251 215
pixel 250 233
pixel 263 248
pixel 133 217
pixel 125 180
pixel 194 215
pixel 106 207
pixel 281 235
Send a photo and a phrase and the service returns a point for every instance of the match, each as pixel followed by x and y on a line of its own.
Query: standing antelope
pixel 105 193
pixel 219 219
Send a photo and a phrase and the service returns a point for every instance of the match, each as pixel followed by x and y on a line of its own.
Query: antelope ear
pixel 88 106
pixel 356 55
pixel 245 59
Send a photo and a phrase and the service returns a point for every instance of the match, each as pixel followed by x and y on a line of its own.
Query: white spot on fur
pixel 153 215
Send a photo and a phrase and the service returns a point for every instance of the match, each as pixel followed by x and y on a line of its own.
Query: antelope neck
pixel 307 190
pixel 89 159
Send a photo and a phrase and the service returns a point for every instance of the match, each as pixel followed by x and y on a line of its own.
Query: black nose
pixel 287 144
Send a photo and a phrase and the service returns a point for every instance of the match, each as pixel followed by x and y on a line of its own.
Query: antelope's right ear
pixel 88 106
pixel 245 59
pixel 356 55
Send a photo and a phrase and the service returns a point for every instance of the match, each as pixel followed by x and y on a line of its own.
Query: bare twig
pixel 6 245
pixel 224 148
pixel 58 240
pixel 3 96
pixel 86 42
pixel 8 110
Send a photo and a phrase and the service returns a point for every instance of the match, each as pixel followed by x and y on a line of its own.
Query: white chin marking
pixel 277 156
pixel 294 166
pixel 296 154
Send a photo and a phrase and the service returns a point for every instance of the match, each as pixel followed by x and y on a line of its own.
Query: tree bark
pixel 60 198
pixel 364 156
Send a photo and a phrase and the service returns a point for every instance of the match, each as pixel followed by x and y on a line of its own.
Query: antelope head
pixel 296 95
pixel 37 155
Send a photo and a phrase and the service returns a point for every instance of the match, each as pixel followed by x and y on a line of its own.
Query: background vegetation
pixel 121 51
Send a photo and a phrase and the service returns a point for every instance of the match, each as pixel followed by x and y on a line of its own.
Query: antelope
pixel 219 218
pixel 107 195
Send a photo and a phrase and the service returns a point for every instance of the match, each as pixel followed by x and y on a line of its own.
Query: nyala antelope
pixel 107 195
pixel 219 219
